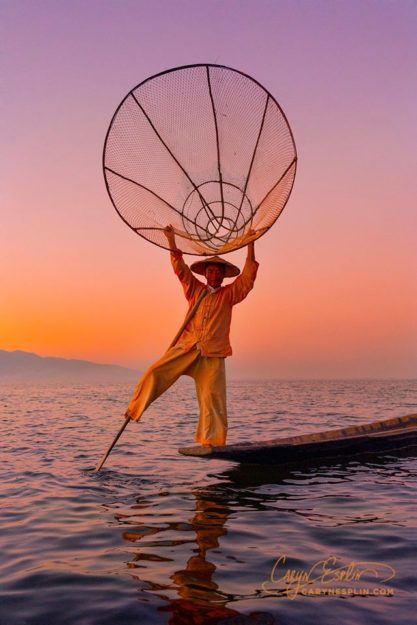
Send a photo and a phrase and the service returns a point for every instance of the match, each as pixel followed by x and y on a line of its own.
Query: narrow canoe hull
pixel 370 437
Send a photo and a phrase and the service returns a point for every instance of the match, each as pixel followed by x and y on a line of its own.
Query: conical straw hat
pixel 201 265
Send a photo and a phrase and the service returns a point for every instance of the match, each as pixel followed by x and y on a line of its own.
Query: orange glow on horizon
pixel 335 292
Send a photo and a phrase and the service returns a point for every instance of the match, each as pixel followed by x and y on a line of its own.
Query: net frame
pixel 229 244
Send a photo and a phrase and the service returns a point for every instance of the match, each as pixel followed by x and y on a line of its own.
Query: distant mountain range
pixel 19 365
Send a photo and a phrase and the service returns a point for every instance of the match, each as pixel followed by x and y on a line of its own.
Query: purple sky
pixel 336 294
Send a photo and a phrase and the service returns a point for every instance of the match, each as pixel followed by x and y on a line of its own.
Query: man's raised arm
pixel 188 281
pixel 244 283
pixel 170 235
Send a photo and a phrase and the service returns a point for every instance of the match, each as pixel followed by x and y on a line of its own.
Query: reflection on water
pixel 191 588
pixel 160 538
pixel 241 489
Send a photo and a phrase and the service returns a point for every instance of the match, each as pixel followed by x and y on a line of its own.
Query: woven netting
pixel 203 148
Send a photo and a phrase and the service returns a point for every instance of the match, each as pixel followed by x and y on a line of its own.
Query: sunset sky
pixel 336 294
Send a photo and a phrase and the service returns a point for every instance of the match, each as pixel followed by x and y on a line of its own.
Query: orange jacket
pixel 210 326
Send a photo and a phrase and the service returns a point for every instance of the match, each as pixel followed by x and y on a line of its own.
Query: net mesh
pixel 205 149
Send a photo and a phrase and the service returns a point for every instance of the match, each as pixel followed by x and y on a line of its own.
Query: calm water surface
pixel 160 538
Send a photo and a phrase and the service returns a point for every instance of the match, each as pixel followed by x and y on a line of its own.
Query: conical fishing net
pixel 204 148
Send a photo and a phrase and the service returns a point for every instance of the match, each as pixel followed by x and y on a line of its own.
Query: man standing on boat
pixel 204 344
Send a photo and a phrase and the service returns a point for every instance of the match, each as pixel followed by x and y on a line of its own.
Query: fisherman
pixel 201 349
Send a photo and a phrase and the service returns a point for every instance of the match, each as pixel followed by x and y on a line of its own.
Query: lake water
pixel 156 537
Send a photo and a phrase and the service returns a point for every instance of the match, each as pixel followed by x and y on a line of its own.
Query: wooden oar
pixel 104 458
pixel 188 318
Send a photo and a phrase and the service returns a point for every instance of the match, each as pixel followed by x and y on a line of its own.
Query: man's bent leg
pixel 158 378
pixel 210 378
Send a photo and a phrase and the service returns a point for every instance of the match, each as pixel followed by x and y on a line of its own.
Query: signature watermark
pixel 330 577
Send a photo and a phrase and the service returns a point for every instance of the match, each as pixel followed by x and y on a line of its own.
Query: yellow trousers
pixel 210 380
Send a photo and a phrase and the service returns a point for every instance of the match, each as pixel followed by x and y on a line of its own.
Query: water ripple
pixel 160 538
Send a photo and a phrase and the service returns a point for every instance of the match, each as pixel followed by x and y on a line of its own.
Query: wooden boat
pixel 369 437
